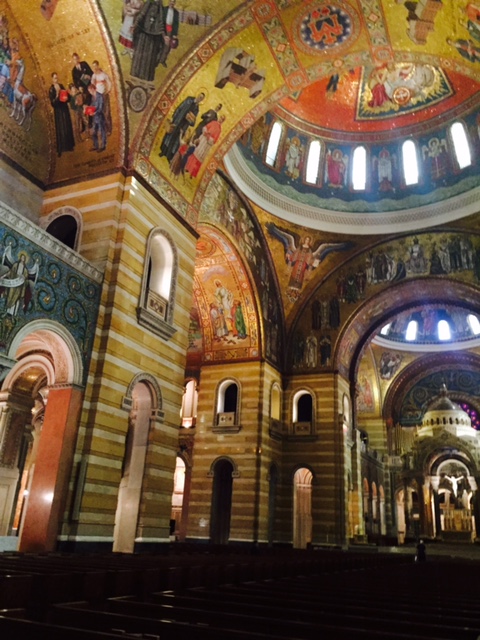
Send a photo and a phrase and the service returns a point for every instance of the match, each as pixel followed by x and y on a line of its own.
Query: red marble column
pixel 49 488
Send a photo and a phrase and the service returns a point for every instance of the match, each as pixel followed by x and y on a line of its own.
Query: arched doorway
pixel 22 415
pixel 130 490
pixel 221 501
pixel 272 501
pixel 40 405
pixel 452 510
pixel 176 519
pixel 302 508
pixel 400 515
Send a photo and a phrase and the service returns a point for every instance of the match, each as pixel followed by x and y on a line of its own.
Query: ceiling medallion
pixel 324 28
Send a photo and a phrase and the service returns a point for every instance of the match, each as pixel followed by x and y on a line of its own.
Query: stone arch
pixel 40 406
pixel 433 363
pixel 223 471
pixel 157 402
pixel 127 514
pixel 74 213
pixel 302 483
pixel 235 472
pixel 301 465
pixel 48 335
pixel 376 311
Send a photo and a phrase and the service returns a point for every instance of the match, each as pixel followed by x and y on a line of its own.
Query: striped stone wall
pixel 323 452
pixel 250 448
pixel 118 215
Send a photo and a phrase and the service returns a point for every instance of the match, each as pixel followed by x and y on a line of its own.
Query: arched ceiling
pixel 252 58
pixel 285 48
pixel 224 323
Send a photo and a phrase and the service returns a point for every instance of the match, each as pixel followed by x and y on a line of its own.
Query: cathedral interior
pixel 240 273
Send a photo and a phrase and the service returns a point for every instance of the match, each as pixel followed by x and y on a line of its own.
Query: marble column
pixel 476 508
pixel 15 416
pixel 48 491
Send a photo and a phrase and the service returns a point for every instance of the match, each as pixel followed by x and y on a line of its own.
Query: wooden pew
pixel 307 626
pixel 187 629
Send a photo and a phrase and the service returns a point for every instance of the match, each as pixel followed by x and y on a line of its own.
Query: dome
pixel 444 404
pixel 392 116
pixel 428 326
pixel 444 414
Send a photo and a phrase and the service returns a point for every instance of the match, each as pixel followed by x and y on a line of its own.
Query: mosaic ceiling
pixel 347 66
pixel 345 71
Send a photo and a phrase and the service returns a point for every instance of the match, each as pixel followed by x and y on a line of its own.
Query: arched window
pixel 65 229
pixel 411 332
pixel 473 323
pixel 160 267
pixel 443 329
pixel 374 501
pixel 313 162
pixel 305 407
pixel 275 403
pixel 275 427
pixel 460 145
pixel 228 397
pixel 303 413
pixel 188 411
pixel 385 330
pixel 159 282
pixel 273 144
pixel 346 408
pixel 359 169
pixel 64 224
pixel 410 163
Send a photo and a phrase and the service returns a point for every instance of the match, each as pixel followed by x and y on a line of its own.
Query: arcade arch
pixel 144 401
pixel 39 411
pixel 424 505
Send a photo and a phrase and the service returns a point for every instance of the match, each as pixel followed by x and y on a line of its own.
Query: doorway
pixel 302 508
pixel 221 502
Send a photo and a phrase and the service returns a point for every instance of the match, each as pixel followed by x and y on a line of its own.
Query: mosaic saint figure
pixel 148 40
pixel 171 17
pixel 183 117
pixel 210 135
pixel 59 99
pixel 131 8
pixel 336 168
pixel 300 253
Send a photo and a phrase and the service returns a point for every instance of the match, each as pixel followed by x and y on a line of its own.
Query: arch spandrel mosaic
pixel 362 291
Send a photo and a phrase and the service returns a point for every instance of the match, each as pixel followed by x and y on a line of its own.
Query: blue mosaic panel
pixel 35 285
